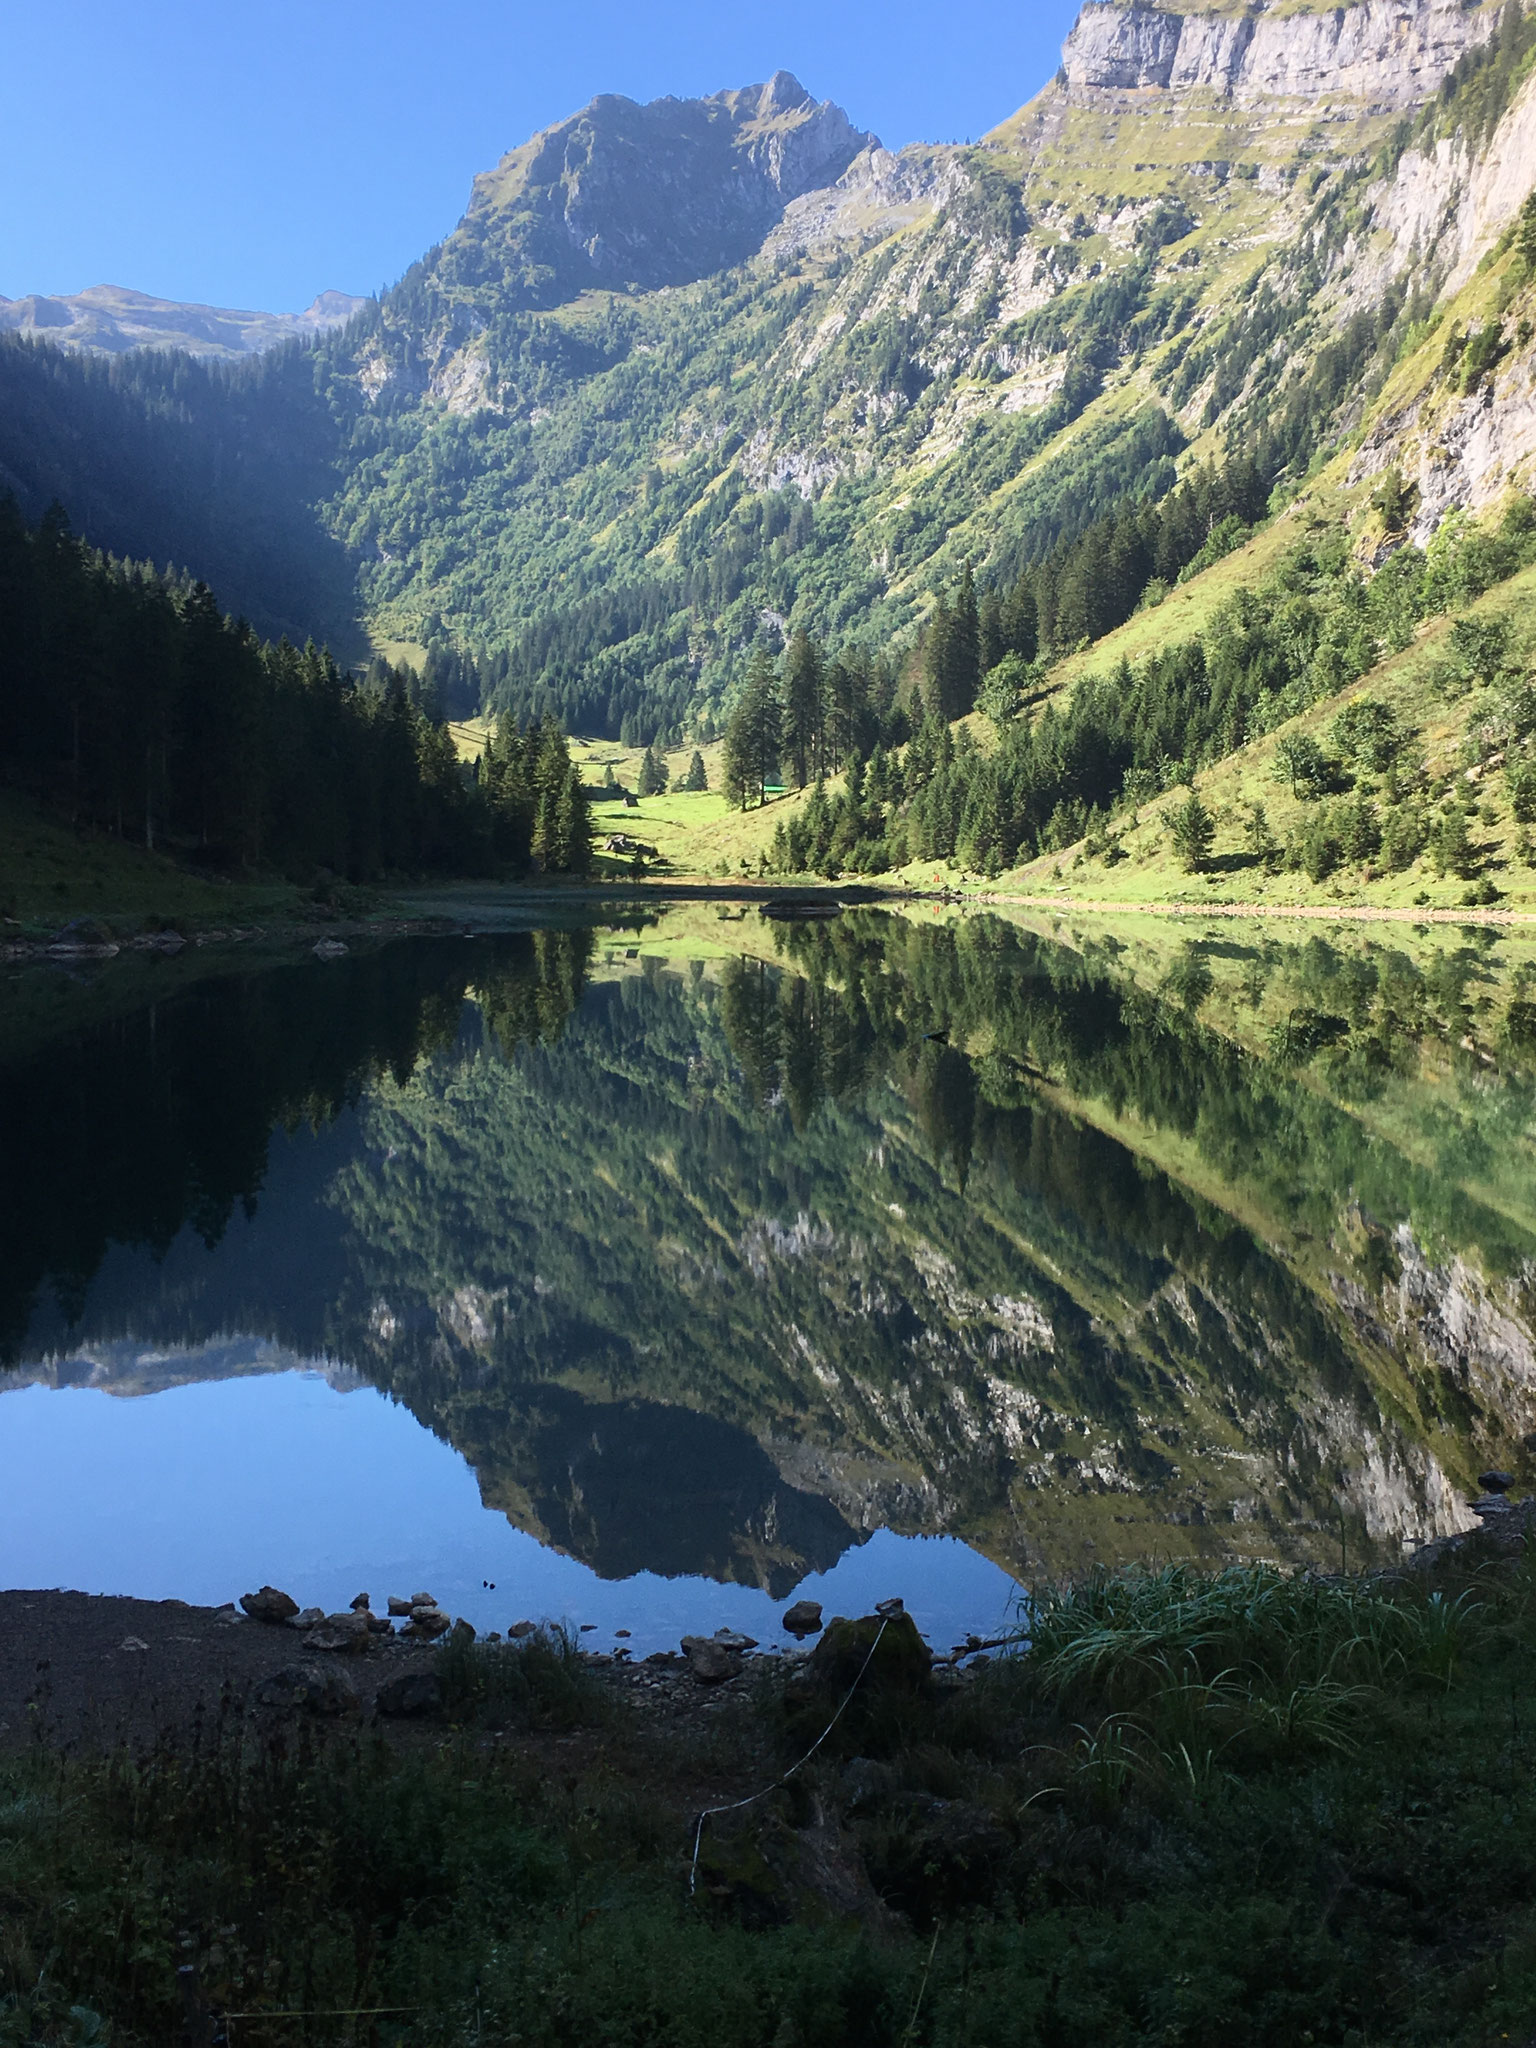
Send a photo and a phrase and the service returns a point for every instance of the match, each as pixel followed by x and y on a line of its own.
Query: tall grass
pixel 540 1682
pixel 1191 1669
pixel 1138 1632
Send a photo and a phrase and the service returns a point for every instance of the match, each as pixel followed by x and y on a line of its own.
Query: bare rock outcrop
pixel 628 195
pixel 1389 53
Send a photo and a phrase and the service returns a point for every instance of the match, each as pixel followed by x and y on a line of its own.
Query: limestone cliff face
pixel 1436 219
pixel 1391 53
pixel 622 195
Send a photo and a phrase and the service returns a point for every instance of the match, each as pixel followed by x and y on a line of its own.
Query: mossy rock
pixel 901 1663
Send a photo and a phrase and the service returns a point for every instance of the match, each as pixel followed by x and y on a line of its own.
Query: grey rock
pixel 332 1639
pixel 398 1607
pixel 307 1617
pixel 307 1688
pixel 732 1639
pixel 269 1605
pixel 621 195
pixel 340 1632
pixel 889 1609
pixel 1389 55
pixel 462 1634
pixel 711 1661
pixel 411 1695
pixel 804 1618
pixel 359 1603
pixel 1495 1482
pixel 428 1622
pixel 1492 1504
pixel 519 1629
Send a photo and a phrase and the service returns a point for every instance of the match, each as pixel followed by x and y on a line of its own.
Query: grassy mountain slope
pixel 610 494
pixel 690 369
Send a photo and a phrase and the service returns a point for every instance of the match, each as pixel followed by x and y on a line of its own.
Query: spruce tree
pixel 936 660
pixel 753 738
pixel 803 709
pixel 1193 832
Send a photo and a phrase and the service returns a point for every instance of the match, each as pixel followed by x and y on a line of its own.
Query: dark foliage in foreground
pixel 1107 1839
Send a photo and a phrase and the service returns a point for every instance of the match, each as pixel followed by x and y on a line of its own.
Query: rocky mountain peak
pixel 623 194
pixel 1387 53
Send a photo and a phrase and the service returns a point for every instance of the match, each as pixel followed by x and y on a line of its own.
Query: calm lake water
pixel 651 1277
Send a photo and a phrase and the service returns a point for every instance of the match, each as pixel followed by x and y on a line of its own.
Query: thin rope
pixel 329 2012
pixel 911 2025
pixel 737 1804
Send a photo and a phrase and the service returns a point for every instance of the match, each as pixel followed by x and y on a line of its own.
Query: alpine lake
pixel 647 1274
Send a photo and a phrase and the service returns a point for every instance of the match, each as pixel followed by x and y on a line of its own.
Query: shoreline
pixel 119 1668
pixel 329 937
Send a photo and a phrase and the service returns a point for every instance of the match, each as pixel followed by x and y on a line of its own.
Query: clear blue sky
pixel 254 152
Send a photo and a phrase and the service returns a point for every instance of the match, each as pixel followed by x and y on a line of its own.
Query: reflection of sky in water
pixel 203 1492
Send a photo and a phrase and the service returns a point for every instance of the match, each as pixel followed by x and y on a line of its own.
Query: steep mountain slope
pixel 1209 228
pixel 635 198
pixel 686 368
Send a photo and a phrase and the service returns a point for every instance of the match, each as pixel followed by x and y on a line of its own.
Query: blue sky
pixel 253 154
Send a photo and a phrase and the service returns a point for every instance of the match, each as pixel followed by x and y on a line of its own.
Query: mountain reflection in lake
pixel 715 1249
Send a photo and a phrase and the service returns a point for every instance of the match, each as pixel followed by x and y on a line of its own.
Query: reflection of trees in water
pixel 705 1196
pixel 1044 1009
pixel 163 1119
pixel 528 1000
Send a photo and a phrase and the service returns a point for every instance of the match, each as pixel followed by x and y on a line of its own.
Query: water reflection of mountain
pixel 720 1272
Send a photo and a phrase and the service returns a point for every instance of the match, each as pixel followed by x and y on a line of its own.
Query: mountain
pixel 687 369
pixel 108 318
pixel 635 198
pixel 1213 228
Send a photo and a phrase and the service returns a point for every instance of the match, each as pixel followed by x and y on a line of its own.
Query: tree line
pixel 129 702
pixel 1123 736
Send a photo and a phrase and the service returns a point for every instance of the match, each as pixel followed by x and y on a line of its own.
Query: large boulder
pixel 307 1688
pixel 411 1695
pixel 269 1605
pixel 340 1632
pixel 804 1618
pixel 901 1660
pixel 710 1660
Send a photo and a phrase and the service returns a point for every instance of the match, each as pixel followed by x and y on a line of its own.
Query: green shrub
pixel 1367 734
pixel 1318 847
